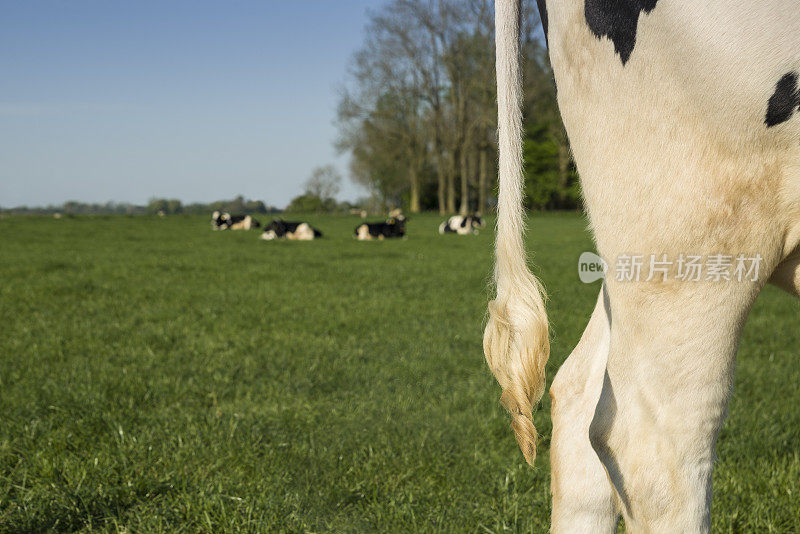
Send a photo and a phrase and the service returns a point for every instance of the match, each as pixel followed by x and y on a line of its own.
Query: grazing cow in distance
pixel 294 231
pixel 462 225
pixel 392 228
pixel 682 117
pixel 224 221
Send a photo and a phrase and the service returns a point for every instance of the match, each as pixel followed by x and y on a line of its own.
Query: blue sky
pixel 116 100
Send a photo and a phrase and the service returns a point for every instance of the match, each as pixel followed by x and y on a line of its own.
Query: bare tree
pixel 418 113
pixel 387 102
pixel 324 182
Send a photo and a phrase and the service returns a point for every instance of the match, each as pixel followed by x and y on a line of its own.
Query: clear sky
pixel 125 100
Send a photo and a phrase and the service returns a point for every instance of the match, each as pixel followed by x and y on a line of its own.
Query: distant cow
pixel 295 231
pixel 224 221
pixel 393 227
pixel 462 225
pixel 218 221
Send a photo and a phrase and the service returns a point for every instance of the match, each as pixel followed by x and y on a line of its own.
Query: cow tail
pixel 516 341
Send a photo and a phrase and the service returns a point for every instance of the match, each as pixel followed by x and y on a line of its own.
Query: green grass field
pixel 158 376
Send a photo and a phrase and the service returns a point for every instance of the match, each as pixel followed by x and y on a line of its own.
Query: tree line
pixel 237 205
pixel 417 114
pixel 155 206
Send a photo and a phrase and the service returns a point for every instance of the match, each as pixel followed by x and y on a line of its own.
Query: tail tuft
pixel 516 344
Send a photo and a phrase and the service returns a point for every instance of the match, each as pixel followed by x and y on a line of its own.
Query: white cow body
pixel 675 158
pixel 304 232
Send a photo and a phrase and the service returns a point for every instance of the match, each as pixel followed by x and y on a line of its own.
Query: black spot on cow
pixel 617 20
pixel 543 17
pixel 784 101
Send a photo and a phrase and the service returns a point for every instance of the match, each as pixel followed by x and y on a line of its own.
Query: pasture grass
pixel 157 376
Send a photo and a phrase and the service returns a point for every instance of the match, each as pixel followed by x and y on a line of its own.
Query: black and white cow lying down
pixel 393 227
pixel 224 221
pixel 294 231
pixel 462 225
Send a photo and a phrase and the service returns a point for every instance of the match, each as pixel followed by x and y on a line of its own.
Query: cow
pixel 294 231
pixel 392 228
pixel 683 121
pixel 218 221
pixel 462 225
pixel 225 221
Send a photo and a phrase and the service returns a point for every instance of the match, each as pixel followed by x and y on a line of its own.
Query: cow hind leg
pixel 583 498
pixel 664 397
